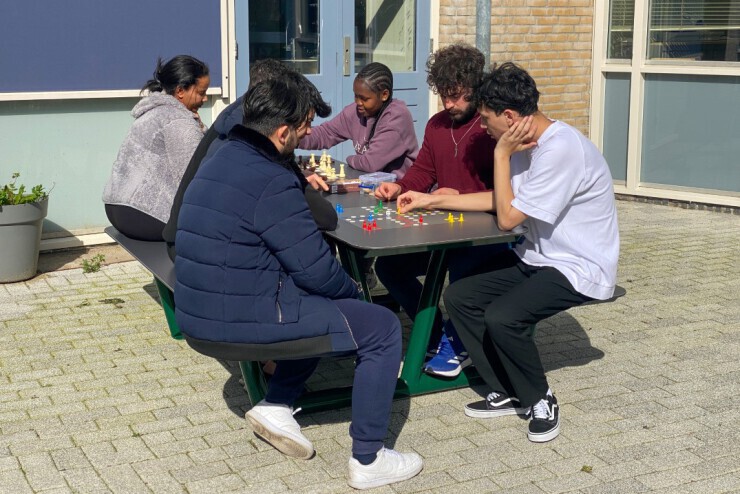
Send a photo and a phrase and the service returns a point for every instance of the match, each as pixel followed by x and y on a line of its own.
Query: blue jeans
pixel 377 332
pixel 399 274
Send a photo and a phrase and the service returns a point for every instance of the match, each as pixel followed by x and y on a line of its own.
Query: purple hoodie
pixel 392 149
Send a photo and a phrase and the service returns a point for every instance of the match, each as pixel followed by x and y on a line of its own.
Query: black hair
pixel 378 78
pixel 508 87
pixel 320 107
pixel 181 71
pixel 267 68
pixel 272 103
pixel 270 68
pixel 454 67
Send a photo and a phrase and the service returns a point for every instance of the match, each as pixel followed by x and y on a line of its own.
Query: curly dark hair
pixel 508 87
pixel 454 67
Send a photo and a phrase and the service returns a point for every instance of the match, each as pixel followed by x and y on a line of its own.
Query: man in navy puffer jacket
pixel 255 279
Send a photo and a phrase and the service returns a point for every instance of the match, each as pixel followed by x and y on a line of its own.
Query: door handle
pixel 345 64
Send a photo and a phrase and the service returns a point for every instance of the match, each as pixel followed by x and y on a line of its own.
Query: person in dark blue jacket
pixel 256 280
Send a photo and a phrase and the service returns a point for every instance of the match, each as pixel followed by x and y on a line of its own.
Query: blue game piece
pixel 340 209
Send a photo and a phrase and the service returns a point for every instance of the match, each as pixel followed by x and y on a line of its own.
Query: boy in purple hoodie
pixel 381 128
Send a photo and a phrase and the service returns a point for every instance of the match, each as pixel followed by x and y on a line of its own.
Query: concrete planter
pixel 20 237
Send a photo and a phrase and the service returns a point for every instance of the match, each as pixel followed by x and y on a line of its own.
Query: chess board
pixel 387 217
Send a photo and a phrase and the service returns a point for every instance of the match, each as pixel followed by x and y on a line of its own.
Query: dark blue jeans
pixel 399 274
pixel 377 332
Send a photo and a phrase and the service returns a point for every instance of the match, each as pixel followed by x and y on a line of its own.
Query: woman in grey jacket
pixel 157 149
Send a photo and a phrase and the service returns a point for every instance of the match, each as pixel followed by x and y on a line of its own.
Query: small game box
pixel 376 178
pixel 342 186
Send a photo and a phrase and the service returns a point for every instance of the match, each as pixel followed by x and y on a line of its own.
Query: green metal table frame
pixel 412 380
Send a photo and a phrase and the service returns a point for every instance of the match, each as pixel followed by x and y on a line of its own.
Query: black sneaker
pixel 495 405
pixel 545 423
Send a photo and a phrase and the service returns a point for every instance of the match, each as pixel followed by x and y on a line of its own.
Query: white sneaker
pixel 275 424
pixel 390 466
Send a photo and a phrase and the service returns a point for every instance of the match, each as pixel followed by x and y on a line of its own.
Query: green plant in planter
pixel 12 194
pixel 22 215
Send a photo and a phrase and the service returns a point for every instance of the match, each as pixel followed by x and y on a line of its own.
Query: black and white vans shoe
pixel 545 423
pixel 495 405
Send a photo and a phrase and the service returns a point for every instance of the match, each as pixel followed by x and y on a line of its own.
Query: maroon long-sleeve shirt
pixel 470 171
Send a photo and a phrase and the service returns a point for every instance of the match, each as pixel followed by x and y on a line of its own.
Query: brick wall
pixel 552 39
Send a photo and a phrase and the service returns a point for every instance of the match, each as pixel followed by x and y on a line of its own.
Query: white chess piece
pixel 341 170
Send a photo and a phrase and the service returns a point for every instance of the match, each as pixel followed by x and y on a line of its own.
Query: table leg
pixel 351 260
pixel 413 380
pixel 254 381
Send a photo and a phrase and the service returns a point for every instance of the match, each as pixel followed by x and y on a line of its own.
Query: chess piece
pixel 341 170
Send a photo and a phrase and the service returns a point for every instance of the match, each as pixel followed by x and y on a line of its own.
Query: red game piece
pixel 375 224
pixel 421 220
pixel 364 225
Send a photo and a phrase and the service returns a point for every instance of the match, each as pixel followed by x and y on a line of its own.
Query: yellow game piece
pixel 461 218
pixel 450 218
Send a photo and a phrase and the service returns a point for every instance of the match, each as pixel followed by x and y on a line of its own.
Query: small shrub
pixel 93 264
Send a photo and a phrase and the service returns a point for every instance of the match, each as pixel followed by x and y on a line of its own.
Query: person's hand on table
pixel 446 191
pixel 410 200
pixel 387 191
pixel 519 137
pixel 317 182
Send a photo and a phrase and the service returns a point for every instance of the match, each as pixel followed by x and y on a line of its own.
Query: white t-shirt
pixel 565 188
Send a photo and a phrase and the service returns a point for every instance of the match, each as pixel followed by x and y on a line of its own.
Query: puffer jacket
pixel 255 278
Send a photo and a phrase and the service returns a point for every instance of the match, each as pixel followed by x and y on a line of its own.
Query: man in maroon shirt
pixel 456 157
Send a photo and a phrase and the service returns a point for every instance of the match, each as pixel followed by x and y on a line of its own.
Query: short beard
pixel 290 146
pixel 463 118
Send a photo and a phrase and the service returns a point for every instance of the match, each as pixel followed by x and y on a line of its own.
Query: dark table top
pixel 477 229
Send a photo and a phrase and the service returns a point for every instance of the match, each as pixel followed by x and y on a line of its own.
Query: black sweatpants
pixel 494 314
pixel 134 223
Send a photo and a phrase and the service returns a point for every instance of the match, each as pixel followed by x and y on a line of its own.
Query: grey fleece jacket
pixel 153 156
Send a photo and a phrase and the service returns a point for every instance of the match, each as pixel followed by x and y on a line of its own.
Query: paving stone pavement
pixel 95 396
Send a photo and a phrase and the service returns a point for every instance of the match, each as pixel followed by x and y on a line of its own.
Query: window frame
pixel 639 66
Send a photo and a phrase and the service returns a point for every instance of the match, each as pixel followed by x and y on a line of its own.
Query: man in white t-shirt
pixel 551 179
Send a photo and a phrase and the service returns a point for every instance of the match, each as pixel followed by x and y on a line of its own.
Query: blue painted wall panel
pixel 84 45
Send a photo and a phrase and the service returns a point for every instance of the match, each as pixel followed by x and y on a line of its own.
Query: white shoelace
pixel 541 410
pixel 493 396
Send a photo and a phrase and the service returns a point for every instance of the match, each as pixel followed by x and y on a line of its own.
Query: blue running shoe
pixel 448 362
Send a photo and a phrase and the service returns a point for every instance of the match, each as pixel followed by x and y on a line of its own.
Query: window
pixel 621 20
pixel 694 30
pixel 385 32
pixel 287 30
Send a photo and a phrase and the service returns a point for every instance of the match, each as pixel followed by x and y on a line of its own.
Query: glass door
pixel 329 41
